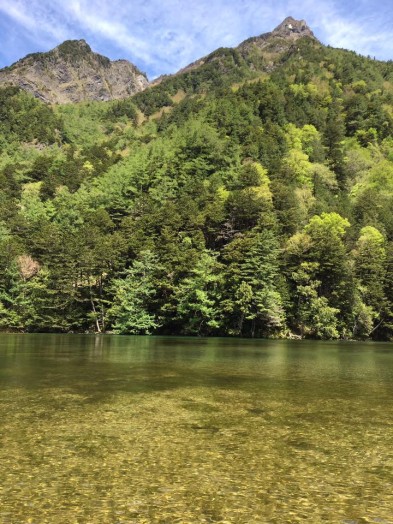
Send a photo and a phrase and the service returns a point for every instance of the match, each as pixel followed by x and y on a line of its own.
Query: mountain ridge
pixel 72 72
pixel 280 39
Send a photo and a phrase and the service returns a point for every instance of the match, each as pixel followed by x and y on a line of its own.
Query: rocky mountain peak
pixel 72 72
pixel 269 46
pixel 81 44
pixel 74 46
pixel 292 29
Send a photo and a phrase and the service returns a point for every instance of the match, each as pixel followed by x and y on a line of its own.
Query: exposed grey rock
pixel 278 40
pixel 293 29
pixel 72 73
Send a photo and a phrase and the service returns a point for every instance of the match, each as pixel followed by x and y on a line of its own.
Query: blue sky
pixel 162 36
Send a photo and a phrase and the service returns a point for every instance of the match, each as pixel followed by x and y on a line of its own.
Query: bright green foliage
pixel 370 262
pixel 24 296
pixel 328 225
pixel 370 268
pixel 151 100
pixel 25 119
pixel 322 277
pixel 235 198
pixel 32 207
pixel 334 139
pixel 133 295
pixel 85 123
pixel 197 297
pixel 328 250
pixel 314 316
pixel 364 319
pixel 252 297
pixel 15 306
pixel 298 168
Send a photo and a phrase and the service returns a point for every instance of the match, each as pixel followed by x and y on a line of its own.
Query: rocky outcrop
pixel 292 29
pixel 280 38
pixel 72 72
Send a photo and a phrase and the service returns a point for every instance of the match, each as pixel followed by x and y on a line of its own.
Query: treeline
pixel 257 210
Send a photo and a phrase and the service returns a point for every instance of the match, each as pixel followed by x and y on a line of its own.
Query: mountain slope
pixel 257 204
pixel 291 50
pixel 258 53
pixel 71 73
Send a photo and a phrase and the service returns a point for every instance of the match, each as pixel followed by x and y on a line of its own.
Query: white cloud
pixel 355 25
pixel 356 35
pixel 40 27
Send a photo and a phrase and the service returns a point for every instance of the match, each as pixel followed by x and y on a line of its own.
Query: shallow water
pixel 174 430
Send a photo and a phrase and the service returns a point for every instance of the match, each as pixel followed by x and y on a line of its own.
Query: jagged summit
pixel 292 29
pixel 72 72
pixel 72 46
pixel 77 43
pixel 288 31
pixel 271 45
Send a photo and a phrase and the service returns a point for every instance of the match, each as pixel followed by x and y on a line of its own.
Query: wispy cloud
pixel 361 26
pixel 161 37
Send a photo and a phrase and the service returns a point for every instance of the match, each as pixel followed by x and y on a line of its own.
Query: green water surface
pixel 122 430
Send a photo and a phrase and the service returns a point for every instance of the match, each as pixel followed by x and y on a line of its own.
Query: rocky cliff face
pixel 71 73
pixel 292 29
pixel 278 40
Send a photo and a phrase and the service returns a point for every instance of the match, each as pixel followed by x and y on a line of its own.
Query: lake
pixel 111 429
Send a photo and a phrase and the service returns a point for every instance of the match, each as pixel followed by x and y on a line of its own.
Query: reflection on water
pixel 165 430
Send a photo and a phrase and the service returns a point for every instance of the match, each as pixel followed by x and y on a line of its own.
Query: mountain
pixel 278 41
pixel 258 53
pixel 250 194
pixel 291 50
pixel 72 72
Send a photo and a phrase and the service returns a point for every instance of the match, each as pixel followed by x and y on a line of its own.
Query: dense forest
pixel 233 199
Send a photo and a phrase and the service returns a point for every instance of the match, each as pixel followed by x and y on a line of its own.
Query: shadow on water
pixel 100 366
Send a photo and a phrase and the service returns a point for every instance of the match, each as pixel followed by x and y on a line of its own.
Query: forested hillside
pixel 248 196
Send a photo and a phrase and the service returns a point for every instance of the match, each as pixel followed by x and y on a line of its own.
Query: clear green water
pixel 174 430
